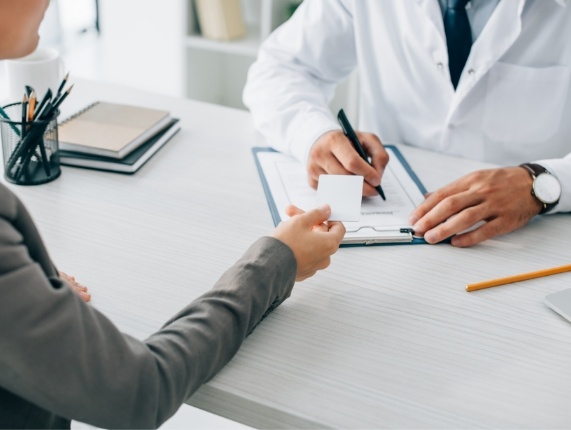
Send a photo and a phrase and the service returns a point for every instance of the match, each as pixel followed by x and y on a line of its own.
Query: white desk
pixel 386 337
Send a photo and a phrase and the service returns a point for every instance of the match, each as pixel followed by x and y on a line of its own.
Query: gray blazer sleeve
pixel 66 357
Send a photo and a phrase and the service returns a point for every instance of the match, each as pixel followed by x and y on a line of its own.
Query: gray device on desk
pixel 561 303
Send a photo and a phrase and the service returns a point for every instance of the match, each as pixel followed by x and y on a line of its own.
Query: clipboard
pixel 284 181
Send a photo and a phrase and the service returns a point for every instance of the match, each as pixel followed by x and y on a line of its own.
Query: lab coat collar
pixel 424 4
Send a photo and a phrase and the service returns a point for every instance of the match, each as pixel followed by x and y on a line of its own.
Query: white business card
pixel 343 193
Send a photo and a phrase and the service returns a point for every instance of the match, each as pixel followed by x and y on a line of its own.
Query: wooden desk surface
pixel 386 337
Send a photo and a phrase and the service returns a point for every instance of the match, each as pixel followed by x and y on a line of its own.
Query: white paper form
pixel 380 221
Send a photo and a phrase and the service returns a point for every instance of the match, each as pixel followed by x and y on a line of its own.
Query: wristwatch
pixel 546 187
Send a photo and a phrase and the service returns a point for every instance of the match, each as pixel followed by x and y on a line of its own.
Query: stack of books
pixel 114 137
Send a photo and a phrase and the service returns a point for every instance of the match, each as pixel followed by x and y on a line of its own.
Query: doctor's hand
pixel 500 197
pixel 311 237
pixel 333 154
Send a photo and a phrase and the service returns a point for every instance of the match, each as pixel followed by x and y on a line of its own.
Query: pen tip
pixel 381 193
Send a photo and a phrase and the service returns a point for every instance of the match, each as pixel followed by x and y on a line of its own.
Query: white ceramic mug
pixel 42 69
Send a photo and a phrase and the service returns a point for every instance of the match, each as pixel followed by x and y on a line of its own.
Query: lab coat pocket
pixel 524 104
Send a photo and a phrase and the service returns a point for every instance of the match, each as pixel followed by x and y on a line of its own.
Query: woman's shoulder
pixel 8 203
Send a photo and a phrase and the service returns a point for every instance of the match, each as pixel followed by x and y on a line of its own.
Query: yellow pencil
pixel 31 106
pixel 517 278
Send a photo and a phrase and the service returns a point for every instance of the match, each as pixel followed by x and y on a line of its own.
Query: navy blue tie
pixel 458 37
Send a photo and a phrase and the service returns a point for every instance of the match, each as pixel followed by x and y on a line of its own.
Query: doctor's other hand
pixel 80 290
pixel 311 237
pixel 333 154
pixel 499 199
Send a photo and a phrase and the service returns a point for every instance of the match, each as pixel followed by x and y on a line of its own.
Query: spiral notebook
pixel 110 129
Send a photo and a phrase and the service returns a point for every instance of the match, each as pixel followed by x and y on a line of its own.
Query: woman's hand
pixel 311 237
pixel 75 286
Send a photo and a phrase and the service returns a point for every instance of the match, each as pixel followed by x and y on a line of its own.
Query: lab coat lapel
pixel 432 11
pixel 499 34
pixel 435 44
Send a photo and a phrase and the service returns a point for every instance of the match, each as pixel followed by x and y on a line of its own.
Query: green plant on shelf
pixel 291 7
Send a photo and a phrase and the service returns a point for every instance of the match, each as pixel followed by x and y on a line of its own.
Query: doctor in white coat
pixel 508 101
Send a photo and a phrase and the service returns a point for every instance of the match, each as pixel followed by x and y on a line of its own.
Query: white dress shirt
pixel 512 104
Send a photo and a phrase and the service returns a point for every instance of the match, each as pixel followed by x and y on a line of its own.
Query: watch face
pixel 547 188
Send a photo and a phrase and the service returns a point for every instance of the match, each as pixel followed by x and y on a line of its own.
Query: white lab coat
pixel 512 104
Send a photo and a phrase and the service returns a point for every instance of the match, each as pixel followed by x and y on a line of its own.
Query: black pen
pixel 24 116
pixel 352 136
pixel 43 103
pixel 49 112
pixel 58 92
pixel 59 101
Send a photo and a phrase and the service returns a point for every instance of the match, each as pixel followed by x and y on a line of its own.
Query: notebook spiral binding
pixel 78 113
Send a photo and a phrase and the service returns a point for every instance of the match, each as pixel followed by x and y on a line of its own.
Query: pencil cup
pixel 30 149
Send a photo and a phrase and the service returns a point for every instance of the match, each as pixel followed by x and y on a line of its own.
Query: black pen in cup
pixel 24 116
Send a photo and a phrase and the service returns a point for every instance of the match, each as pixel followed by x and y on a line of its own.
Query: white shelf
pixel 247 45
pixel 216 71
